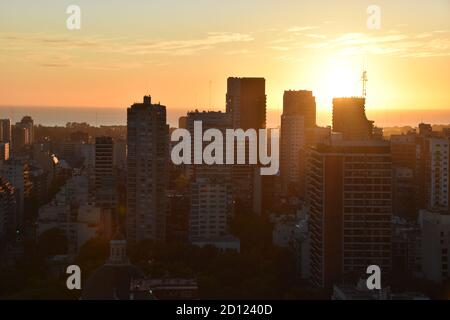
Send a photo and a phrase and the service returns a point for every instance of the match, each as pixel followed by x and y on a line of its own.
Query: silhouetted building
pixel 437 178
pixel 147 163
pixel 105 183
pixel 27 123
pixel 246 102
pixel 177 227
pixel 165 288
pixel 299 114
pixel 8 209
pixel 350 198
pixel 4 151
pixel 104 150
pixel 18 174
pixel 5 130
pixel 20 136
pixel 209 120
pixel 211 207
pixel 300 102
pixel 408 163
pixel 435 239
pixel 182 122
pixel 112 281
pixel 349 118
pixel 120 154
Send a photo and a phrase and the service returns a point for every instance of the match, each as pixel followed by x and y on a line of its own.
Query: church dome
pixel 112 280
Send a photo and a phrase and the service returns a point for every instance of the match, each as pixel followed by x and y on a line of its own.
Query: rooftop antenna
pixel 364 83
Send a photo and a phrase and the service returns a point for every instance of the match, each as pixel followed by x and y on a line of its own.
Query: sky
pixel 181 52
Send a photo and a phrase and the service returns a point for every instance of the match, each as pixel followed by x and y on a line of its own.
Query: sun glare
pixel 338 78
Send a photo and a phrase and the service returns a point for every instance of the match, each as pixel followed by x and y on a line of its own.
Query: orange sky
pixel 180 52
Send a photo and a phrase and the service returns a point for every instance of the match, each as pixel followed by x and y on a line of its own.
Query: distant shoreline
pixel 96 116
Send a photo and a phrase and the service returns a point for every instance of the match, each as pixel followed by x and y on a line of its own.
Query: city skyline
pixel 208 150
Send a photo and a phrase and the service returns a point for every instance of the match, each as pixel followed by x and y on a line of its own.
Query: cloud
pixel 301 28
pixel 185 47
pixel 394 43
pixel 237 52
pixel 84 52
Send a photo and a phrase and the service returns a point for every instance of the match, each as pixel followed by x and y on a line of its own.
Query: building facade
pixel 147 162
pixel 350 199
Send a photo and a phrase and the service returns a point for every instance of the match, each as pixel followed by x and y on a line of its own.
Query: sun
pixel 338 78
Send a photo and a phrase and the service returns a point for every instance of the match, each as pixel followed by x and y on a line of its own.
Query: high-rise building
pixel 210 189
pixel 300 102
pixel 104 151
pixel 435 245
pixel 105 184
pixel 28 123
pixel 4 151
pixel 211 207
pixel 292 151
pixel 209 120
pixel 120 154
pixel 20 136
pixel 349 194
pixel 405 151
pixel 246 102
pixel 8 209
pixel 5 130
pixel 147 162
pixel 437 177
pixel 349 118
pixel 18 174
pixel 299 115
pixel 182 122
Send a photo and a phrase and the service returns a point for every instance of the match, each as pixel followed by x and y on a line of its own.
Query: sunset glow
pixel 182 55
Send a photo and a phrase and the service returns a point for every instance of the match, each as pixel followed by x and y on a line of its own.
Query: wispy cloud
pixel 301 28
pixel 425 44
pixel 42 45
pixel 391 42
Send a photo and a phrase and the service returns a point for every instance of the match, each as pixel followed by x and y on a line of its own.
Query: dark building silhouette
pixel 105 183
pixel 349 118
pixel 350 198
pixel 300 102
pixel 28 123
pixel 5 130
pixel 177 227
pixel 246 102
pixel 112 281
pixel 147 163
pixel 297 124
pixel 8 209
pixel 20 137
pixel 104 151
pixel 182 122
pixel 406 155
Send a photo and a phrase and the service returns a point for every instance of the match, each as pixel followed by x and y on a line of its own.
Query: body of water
pixel 96 116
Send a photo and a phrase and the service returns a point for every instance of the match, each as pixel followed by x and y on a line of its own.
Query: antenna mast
pixel 364 83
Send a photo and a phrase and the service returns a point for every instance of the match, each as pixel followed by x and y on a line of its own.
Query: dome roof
pixel 112 282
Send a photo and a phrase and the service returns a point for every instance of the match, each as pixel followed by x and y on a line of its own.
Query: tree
pixel 52 242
